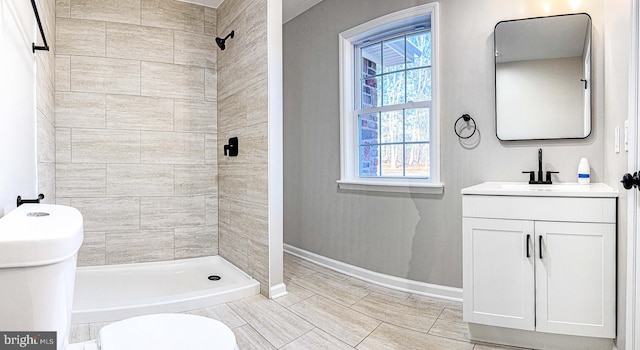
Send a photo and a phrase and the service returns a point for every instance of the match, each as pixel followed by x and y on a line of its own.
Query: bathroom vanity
pixel 539 260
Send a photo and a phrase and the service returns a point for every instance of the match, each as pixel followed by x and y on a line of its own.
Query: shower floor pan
pixel 115 292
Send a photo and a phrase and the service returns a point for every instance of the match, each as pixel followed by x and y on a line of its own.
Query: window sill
pixel 386 186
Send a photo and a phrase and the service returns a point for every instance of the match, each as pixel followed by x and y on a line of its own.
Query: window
pixel 389 124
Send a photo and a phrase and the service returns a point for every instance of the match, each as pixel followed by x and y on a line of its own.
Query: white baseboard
pixel 397 283
pixel 277 291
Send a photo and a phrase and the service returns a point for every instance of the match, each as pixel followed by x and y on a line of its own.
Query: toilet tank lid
pixel 39 234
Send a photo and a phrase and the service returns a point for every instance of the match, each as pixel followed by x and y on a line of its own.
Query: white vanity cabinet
pixel 540 260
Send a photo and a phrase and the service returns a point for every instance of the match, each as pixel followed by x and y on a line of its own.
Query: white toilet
pixel 165 332
pixel 38 249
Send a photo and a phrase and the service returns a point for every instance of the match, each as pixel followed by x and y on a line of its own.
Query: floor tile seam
pixel 436 320
pixel 347 307
pixel 391 322
pixel 435 317
pixel 298 337
pixel 237 313
pixel 316 326
pixel 368 335
pixel 262 335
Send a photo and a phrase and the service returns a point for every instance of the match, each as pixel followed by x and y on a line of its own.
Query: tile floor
pixel 328 310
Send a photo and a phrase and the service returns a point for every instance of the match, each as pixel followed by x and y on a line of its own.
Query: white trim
pixel 378 185
pixel 275 147
pixel 631 331
pixel 277 291
pixel 392 282
pixel 348 133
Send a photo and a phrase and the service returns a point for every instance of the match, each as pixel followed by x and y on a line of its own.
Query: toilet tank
pixel 38 251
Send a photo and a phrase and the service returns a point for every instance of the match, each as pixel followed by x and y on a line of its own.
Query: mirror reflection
pixel 543 78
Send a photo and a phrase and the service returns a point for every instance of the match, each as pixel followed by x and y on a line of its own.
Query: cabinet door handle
pixel 528 238
pixel 540 245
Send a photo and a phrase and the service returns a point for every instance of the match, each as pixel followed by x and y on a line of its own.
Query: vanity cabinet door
pixel 575 278
pixel 498 272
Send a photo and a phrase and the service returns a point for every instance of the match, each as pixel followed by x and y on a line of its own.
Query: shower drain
pixel 213 278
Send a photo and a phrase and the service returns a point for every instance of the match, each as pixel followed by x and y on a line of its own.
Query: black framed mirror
pixel 543 78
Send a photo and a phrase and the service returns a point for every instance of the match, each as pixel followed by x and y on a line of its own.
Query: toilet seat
pixel 167 332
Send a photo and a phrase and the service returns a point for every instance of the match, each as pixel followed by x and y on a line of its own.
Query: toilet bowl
pixel 38 248
pixel 163 332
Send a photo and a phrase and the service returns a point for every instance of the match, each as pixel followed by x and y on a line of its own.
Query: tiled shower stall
pixel 132 117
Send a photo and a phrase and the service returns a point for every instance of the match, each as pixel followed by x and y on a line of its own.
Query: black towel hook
pixel 467 118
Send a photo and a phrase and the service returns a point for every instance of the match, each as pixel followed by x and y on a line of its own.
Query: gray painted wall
pixel 411 236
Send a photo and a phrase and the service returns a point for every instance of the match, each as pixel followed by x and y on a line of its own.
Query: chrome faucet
pixel 532 176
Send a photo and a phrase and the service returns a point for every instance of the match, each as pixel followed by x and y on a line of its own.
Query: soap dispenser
pixel 584 172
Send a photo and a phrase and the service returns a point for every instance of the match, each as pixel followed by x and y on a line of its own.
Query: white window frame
pixel 349 178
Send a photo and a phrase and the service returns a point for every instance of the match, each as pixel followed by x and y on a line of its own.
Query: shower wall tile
pixel 210 85
pixel 169 80
pixel 139 43
pixel 241 76
pixel 172 148
pixel 195 116
pixel 47 181
pixel 139 180
pixel 46 139
pixel 124 11
pixel 259 254
pixel 108 214
pixel 63 8
pixel 135 136
pixel 194 49
pixel 210 18
pixel 80 37
pixel 233 245
pixel 139 246
pixel 139 113
pixel 158 212
pixel 105 146
pixel 193 242
pixel 63 145
pixel 63 73
pixel 105 75
pixel 45 100
pixel 211 210
pixel 81 180
pixel 210 149
pixel 63 201
pixel 232 112
pixel 92 251
pixel 195 180
pixel 173 15
pixel 80 110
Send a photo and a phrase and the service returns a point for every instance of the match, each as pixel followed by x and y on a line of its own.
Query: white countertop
pixel 561 189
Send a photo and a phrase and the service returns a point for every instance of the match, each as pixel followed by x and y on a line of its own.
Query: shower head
pixel 220 42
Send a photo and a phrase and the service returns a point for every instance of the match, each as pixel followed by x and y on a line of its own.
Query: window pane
pixel 371 60
pixel 419 50
pixel 368 129
pixel 416 125
pixel 391 127
pixel 393 86
pixel 392 160
pixel 417 160
pixel 393 54
pixel 371 93
pixel 369 160
pixel 419 85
